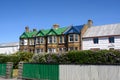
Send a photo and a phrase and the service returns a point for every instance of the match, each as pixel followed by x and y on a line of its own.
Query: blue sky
pixel 42 14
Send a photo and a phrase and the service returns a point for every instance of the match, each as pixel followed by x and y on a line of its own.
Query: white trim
pixel 73 37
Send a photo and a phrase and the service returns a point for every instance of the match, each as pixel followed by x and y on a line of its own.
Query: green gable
pixel 31 34
pixel 58 31
pixel 42 32
pixel 28 34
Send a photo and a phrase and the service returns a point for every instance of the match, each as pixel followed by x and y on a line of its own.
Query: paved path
pixel 8 79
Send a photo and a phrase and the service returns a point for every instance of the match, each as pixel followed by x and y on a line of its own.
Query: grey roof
pixel 104 30
pixel 12 44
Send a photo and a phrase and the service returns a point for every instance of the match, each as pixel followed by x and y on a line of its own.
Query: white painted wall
pixel 89 72
pixel 9 48
pixel 103 43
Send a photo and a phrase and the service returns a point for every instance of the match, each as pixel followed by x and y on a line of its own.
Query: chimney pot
pixel 34 30
pixel 26 29
pixel 90 23
pixel 55 26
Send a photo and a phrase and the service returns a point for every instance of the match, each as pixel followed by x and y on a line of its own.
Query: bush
pixel 81 57
pixel 16 58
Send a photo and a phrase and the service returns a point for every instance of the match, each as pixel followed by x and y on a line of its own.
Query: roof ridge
pixel 106 24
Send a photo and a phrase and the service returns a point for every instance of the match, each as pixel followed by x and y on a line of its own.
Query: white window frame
pixel 51 50
pixel 37 40
pixel 52 39
pixel 21 42
pixel 39 50
pixel 70 37
pixel 74 37
pixel 61 39
pixel 62 49
pixel 25 42
pixel 71 48
pixel 31 42
pixel 40 40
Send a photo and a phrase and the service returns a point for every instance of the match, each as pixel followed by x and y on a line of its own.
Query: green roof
pixel 31 34
pixel 42 32
pixel 28 34
pixel 58 31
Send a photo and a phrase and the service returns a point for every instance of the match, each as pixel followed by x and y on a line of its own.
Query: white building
pixel 102 37
pixel 9 48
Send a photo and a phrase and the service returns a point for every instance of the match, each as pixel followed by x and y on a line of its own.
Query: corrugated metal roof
pixel 104 30
pixel 12 44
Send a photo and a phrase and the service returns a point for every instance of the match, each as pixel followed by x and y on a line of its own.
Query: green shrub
pixel 16 58
pixel 81 57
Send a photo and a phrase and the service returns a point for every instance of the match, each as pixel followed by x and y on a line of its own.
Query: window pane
pixel 54 39
pixel 71 37
pixel 111 39
pixel 76 37
pixel 50 39
pixel 71 48
pixel 37 40
pixel 60 39
pixel 63 39
pixel 21 42
pixel 38 50
pixel 41 40
pixel 95 40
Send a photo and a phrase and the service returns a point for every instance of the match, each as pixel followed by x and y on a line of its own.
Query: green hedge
pixel 16 58
pixel 73 57
pixel 80 57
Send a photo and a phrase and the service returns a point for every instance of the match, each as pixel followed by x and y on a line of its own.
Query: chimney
pixel 34 30
pixel 55 26
pixel 26 29
pixel 90 23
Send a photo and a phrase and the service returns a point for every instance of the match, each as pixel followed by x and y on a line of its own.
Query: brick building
pixel 55 40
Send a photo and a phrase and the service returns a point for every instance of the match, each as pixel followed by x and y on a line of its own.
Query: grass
pixel 15 73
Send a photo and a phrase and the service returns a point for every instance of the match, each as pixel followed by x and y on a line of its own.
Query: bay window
pixel 31 42
pixel 23 42
pixel 73 37
pixel 52 39
pixel 40 40
pixel 39 50
pixel 51 50
pixel 61 39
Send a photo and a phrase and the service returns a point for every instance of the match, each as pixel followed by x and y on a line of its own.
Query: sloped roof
pixel 58 31
pixel 42 32
pixel 74 29
pixel 104 30
pixel 12 44
pixel 28 34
